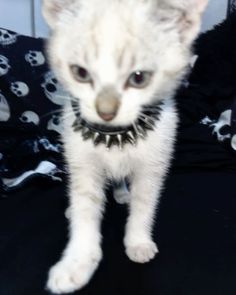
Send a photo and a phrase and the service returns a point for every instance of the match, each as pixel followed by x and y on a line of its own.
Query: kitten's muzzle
pixel 107 103
pixel 107 117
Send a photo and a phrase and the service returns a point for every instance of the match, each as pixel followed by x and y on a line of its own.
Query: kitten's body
pixel 116 164
pixel 118 38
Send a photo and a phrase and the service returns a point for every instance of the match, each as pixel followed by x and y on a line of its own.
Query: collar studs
pixel 118 136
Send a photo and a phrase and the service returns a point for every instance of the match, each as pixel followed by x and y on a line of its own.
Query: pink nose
pixel 107 103
pixel 107 116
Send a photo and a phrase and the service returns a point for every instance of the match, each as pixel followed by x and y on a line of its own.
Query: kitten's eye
pixel 80 74
pixel 139 79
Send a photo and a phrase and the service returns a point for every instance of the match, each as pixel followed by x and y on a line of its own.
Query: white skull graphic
pixel 35 58
pixel 19 88
pixel 223 121
pixel 4 109
pixel 53 89
pixel 55 124
pixel 4 65
pixel 30 117
pixel 222 127
pixel 7 37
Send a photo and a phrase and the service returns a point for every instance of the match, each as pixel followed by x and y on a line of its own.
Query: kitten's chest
pixel 119 164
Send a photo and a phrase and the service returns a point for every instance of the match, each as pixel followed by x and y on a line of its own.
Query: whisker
pixel 64 97
pixel 68 115
pixel 51 113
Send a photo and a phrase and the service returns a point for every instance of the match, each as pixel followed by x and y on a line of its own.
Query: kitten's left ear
pixel 189 21
pixel 185 15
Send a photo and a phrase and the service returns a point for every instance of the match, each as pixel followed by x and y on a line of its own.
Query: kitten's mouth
pixel 117 135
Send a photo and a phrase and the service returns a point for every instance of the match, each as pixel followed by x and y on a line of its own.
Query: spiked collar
pixel 117 136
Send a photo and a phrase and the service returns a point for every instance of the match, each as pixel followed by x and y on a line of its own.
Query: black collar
pixel 121 135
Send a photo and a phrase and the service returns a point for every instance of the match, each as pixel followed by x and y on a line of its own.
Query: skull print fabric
pixel 30 100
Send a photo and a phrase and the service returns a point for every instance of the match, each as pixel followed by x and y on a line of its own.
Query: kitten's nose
pixel 107 103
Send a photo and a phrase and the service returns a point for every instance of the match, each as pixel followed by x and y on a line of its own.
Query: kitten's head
pixel 117 55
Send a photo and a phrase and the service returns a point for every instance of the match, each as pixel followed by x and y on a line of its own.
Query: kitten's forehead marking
pixel 125 55
pixel 92 52
pixel 86 59
pixel 121 58
pixel 95 45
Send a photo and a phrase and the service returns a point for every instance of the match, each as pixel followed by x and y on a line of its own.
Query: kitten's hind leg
pixel 121 192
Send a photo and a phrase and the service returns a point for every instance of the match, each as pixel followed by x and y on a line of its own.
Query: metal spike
pixel 141 131
pixel 149 124
pixel 136 132
pixel 120 143
pixel 131 141
pixel 85 131
pixel 96 138
pixel 149 120
pixel 130 137
pixel 156 116
pixel 108 141
pixel 77 126
pixel 87 135
pixel 76 122
pixel 75 106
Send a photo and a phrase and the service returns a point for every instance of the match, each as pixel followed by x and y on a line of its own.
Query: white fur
pixel 113 39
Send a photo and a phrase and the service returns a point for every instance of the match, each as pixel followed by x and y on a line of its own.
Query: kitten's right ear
pixel 51 10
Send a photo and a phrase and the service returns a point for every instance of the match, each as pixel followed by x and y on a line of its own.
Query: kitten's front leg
pixel 83 252
pixel 145 191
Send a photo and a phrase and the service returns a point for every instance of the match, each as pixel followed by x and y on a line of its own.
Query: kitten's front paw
pixel 70 275
pixel 143 252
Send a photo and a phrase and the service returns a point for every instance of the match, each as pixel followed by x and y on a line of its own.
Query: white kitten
pixel 116 57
